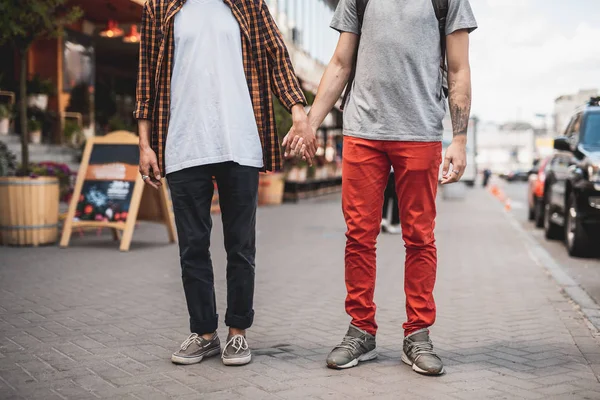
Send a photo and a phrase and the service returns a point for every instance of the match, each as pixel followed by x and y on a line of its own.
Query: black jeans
pixel 390 198
pixel 192 191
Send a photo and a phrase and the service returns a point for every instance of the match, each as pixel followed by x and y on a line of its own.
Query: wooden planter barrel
pixel 270 189
pixel 28 210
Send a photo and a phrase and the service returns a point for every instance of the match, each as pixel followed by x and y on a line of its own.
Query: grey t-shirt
pixel 396 92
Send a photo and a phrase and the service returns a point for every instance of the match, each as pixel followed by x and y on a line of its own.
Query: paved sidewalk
pixel 90 322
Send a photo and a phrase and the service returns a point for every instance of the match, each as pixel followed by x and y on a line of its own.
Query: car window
pixel 574 127
pixel 591 136
pixel 569 126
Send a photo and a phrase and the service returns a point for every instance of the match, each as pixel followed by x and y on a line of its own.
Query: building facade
pixel 311 42
pixel 99 55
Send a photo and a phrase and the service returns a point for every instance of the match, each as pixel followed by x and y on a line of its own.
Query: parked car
pixel 535 192
pixel 517 175
pixel 572 184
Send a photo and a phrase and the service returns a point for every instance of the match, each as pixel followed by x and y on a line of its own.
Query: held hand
pixel 149 167
pixel 301 140
pixel 456 156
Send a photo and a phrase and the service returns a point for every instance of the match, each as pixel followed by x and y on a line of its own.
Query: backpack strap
pixel 441 13
pixel 361 6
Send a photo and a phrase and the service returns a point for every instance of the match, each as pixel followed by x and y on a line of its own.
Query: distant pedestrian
pixel 486 176
pixel 393 117
pixel 204 107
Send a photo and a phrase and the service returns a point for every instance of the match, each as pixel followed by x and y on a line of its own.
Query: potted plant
pixel 30 201
pixel 298 172
pixel 271 187
pixel 60 171
pixel 8 167
pixel 116 123
pixel 81 102
pixel 8 161
pixel 34 127
pixel 5 115
pixel 38 91
pixel 73 133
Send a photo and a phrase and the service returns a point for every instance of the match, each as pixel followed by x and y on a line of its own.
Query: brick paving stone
pixel 105 328
pixel 589 395
pixel 511 381
pixel 514 392
pixel 562 389
pixel 478 394
pixel 253 393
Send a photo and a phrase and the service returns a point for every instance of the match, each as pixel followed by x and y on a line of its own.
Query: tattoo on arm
pixel 460 104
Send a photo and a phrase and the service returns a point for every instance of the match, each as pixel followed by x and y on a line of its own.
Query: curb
pixel 588 307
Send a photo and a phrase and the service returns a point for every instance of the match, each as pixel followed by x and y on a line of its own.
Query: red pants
pixel 366 166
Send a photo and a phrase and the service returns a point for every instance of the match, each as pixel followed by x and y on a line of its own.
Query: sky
pixel 526 53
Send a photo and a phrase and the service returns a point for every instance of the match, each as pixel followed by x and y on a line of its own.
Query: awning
pixel 100 11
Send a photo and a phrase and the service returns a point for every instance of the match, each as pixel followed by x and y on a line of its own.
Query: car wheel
pixel 552 230
pixel 576 237
pixel 538 212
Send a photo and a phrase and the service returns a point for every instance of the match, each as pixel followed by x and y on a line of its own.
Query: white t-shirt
pixel 212 118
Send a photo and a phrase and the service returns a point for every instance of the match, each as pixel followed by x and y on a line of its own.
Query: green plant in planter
pixel 116 123
pixel 283 119
pixel 312 171
pixel 21 24
pixel 80 102
pixel 8 161
pixel 5 111
pixel 40 86
pixel 71 130
pixel 61 171
pixel 34 125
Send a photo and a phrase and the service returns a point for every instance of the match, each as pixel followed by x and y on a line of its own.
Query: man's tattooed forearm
pixel 460 107
pixel 460 119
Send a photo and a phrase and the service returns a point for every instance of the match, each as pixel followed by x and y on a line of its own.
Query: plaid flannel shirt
pixel 267 67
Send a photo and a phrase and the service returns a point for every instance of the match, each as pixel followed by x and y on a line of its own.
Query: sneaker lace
pixel 193 338
pixel 421 348
pixel 350 343
pixel 238 343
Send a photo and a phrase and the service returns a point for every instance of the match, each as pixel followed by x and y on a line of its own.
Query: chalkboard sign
pixel 108 186
pixel 109 190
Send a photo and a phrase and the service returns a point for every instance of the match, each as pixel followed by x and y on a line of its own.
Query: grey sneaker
pixel 357 346
pixel 195 348
pixel 418 353
pixel 236 351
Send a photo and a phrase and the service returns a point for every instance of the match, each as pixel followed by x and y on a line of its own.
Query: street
pixel 586 272
pixel 91 322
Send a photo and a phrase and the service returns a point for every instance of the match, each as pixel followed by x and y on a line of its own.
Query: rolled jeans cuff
pixel 239 321
pixel 204 327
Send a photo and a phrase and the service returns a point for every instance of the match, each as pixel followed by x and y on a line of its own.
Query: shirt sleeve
pixel 345 18
pixel 149 38
pixel 460 16
pixel 284 82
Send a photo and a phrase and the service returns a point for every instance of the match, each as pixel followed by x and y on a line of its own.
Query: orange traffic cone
pixel 494 190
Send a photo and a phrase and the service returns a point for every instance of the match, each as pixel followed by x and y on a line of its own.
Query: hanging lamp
pixel 112 30
pixel 133 36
